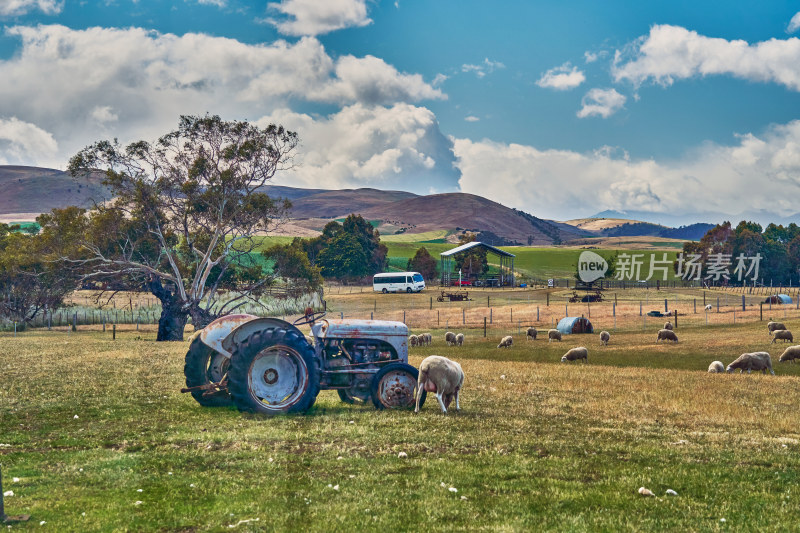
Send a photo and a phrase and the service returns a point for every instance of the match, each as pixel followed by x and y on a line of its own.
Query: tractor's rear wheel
pixel 394 385
pixel 274 371
pixel 206 366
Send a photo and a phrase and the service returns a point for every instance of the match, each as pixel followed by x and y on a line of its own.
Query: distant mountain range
pixel 761 216
pixel 27 191
pixel 619 227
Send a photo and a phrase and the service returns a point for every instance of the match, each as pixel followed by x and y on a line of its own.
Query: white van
pixel 398 282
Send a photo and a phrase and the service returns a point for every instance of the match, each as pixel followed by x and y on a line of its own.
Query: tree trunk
pixel 171 324
pixel 173 318
pixel 201 317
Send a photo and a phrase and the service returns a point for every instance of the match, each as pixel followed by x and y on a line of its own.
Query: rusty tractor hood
pixel 359 329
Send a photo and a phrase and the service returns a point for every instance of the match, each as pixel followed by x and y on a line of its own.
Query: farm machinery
pixel 267 365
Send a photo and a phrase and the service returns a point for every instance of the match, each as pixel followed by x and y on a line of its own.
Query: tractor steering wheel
pixel 309 318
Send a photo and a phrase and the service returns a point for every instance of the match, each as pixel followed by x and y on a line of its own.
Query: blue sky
pixel 563 109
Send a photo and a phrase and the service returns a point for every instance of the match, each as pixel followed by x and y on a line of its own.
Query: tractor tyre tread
pixel 245 351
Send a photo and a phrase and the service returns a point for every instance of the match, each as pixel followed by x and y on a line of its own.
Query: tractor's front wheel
pixel 394 385
pixel 205 367
pixel 274 371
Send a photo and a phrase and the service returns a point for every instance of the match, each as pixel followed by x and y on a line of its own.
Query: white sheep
pixel 575 354
pixel 450 338
pixel 668 325
pixel 708 307
pixel 790 354
pixel 530 334
pixel 506 342
pixel 773 326
pixel 717 367
pixel 460 339
pixel 428 338
pixel 752 361
pixel 666 335
pixel 414 340
pixel 444 377
pixel 605 337
pixel 553 334
pixel 784 334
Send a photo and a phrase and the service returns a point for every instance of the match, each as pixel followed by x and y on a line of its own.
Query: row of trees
pixel 778 246
pixel 348 251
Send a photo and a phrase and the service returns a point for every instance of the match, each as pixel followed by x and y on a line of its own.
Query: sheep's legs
pixel 458 406
pixel 441 402
pixel 420 388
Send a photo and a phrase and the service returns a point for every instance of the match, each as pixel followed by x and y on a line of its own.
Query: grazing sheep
pixel 790 354
pixel 716 368
pixel 708 307
pixel 450 338
pixel 604 337
pixel 666 335
pixel 773 326
pixel 428 339
pixel 752 361
pixel 784 334
pixel 531 334
pixel 668 325
pixel 414 340
pixel 576 354
pixel 506 342
pixel 460 339
pixel 553 334
pixel 444 377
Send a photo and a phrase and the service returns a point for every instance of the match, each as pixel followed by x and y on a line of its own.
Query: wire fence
pixel 511 311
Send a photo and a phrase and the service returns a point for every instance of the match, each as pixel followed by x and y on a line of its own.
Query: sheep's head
pixel 730 369
pixel 564 359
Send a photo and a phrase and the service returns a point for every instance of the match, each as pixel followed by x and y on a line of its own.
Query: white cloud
pixel 371 80
pixel 601 103
pixel 471 118
pixel 672 52
pixel 218 3
pixel 21 7
pixel 142 80
pixel 104 114
pixel 794 24
pixel 482 69
pixel 22 141
pixel 312 17
pixel 563 184
pixel 562 78
pixel 399 147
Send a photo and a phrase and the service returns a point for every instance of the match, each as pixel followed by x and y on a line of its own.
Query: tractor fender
pixel 245 329
pixel 215 333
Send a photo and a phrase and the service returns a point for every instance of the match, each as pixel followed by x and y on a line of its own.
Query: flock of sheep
pixel 761 360
pixel 445 377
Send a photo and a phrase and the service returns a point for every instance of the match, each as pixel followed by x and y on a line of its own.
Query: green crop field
pixel 94 436
pixel 539 263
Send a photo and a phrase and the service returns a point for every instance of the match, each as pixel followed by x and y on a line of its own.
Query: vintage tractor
pixel 267 365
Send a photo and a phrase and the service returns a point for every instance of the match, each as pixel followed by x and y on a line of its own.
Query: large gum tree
pixel 183 214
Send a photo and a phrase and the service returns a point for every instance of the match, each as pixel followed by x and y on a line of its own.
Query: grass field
pixel 94 436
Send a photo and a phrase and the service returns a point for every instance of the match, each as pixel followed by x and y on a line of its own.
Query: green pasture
pixel 94 436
